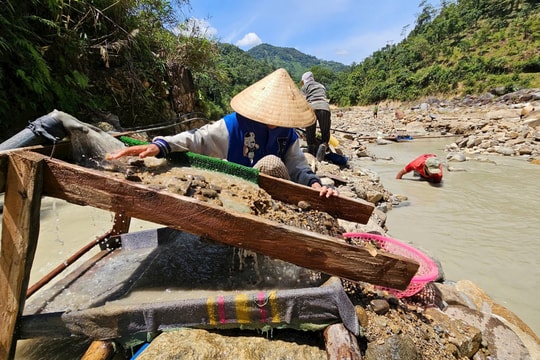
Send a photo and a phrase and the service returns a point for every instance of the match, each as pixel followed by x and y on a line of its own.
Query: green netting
pixel 206 162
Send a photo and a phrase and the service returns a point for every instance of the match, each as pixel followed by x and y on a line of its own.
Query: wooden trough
pixel 28 174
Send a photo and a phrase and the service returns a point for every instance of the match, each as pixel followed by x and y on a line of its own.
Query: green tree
pixel 85 56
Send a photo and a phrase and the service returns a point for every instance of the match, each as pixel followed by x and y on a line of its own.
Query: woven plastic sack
pixel 428 270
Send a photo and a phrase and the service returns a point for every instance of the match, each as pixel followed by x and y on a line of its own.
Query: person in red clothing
pixel 427 166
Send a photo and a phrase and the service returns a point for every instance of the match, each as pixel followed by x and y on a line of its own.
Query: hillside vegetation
pixel 137 59
pixel 460 47
pixel 291 59
pixel 94 57
pixel 464 47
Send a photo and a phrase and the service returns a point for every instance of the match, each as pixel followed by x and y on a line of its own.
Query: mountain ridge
pixel 291 59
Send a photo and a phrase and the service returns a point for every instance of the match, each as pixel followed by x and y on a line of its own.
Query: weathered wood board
pixel 341 207
pixel 26 176
pixel 311 250
pixel 20 230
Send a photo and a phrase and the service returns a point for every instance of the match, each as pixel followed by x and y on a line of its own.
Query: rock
pixel 416 128
pixel 466 338
pixel 380 306
pixel 201 344
pixel 362 316
pixel 326 181
pixel 395 347
pixel 526 110
pixel 504 150
pixel 483 302
pixel 456 156
pixel 381 141
pixel 502 341
pixel 374 196
pixel 502 114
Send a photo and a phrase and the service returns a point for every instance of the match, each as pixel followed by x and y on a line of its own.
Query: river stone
pixel 465 337
pixel 196 344
pixel 416 128
pixel 374 196
pixel 513 142
pixel 380 306
pixel 483 302
pixel 502 114
pixel 503 150
pixel 451 296
pixel 456 156
pixel 362 316
pixel 502 341
pixel 533 122
pixel 524 149
pixel 395 347
pixel 473 141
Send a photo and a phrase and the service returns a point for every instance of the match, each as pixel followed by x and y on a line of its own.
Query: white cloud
pixel 197 27
pixel 249 40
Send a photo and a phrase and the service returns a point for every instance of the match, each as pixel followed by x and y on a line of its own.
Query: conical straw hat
pixel 275 100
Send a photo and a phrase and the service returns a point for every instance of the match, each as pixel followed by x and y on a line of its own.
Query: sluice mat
pixel 216 290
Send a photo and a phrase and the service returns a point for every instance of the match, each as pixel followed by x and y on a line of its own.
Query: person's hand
pixel 141 150
pixel 400 174
pixel 324 190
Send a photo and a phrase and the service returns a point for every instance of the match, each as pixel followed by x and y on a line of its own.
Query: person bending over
pixel 260 133
pixel 315 94
pixel 427 166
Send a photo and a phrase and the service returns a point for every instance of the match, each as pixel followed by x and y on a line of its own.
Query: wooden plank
pixel 99 350
pixel 59 151
pixel 20 231
pixel 3 172
pixel 341 207
pixel 341 344
pixel 311 250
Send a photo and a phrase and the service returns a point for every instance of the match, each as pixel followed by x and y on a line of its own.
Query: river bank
pixel 480 128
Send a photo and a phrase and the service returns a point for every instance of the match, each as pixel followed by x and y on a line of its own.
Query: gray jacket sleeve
pixel 210 139
pixel 298 167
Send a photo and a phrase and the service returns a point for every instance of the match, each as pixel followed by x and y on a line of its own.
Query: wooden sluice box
pixel 27 175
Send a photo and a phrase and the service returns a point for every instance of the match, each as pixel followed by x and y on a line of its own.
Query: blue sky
pixel 346 31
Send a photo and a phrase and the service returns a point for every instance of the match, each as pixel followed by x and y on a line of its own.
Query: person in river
pixel 260 133
pixel 315 94
pixel 428 166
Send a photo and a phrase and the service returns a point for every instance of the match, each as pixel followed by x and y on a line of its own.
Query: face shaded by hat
pixel 433 165
pixel 275 100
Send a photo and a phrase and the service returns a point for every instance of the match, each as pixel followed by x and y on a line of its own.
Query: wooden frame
pixel 26 176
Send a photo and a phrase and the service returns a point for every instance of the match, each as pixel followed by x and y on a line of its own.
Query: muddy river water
pixel 482 223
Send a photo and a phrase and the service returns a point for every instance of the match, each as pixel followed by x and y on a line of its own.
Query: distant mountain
pixel 294 61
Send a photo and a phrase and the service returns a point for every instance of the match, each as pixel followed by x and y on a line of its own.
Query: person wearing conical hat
pixel 259 133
